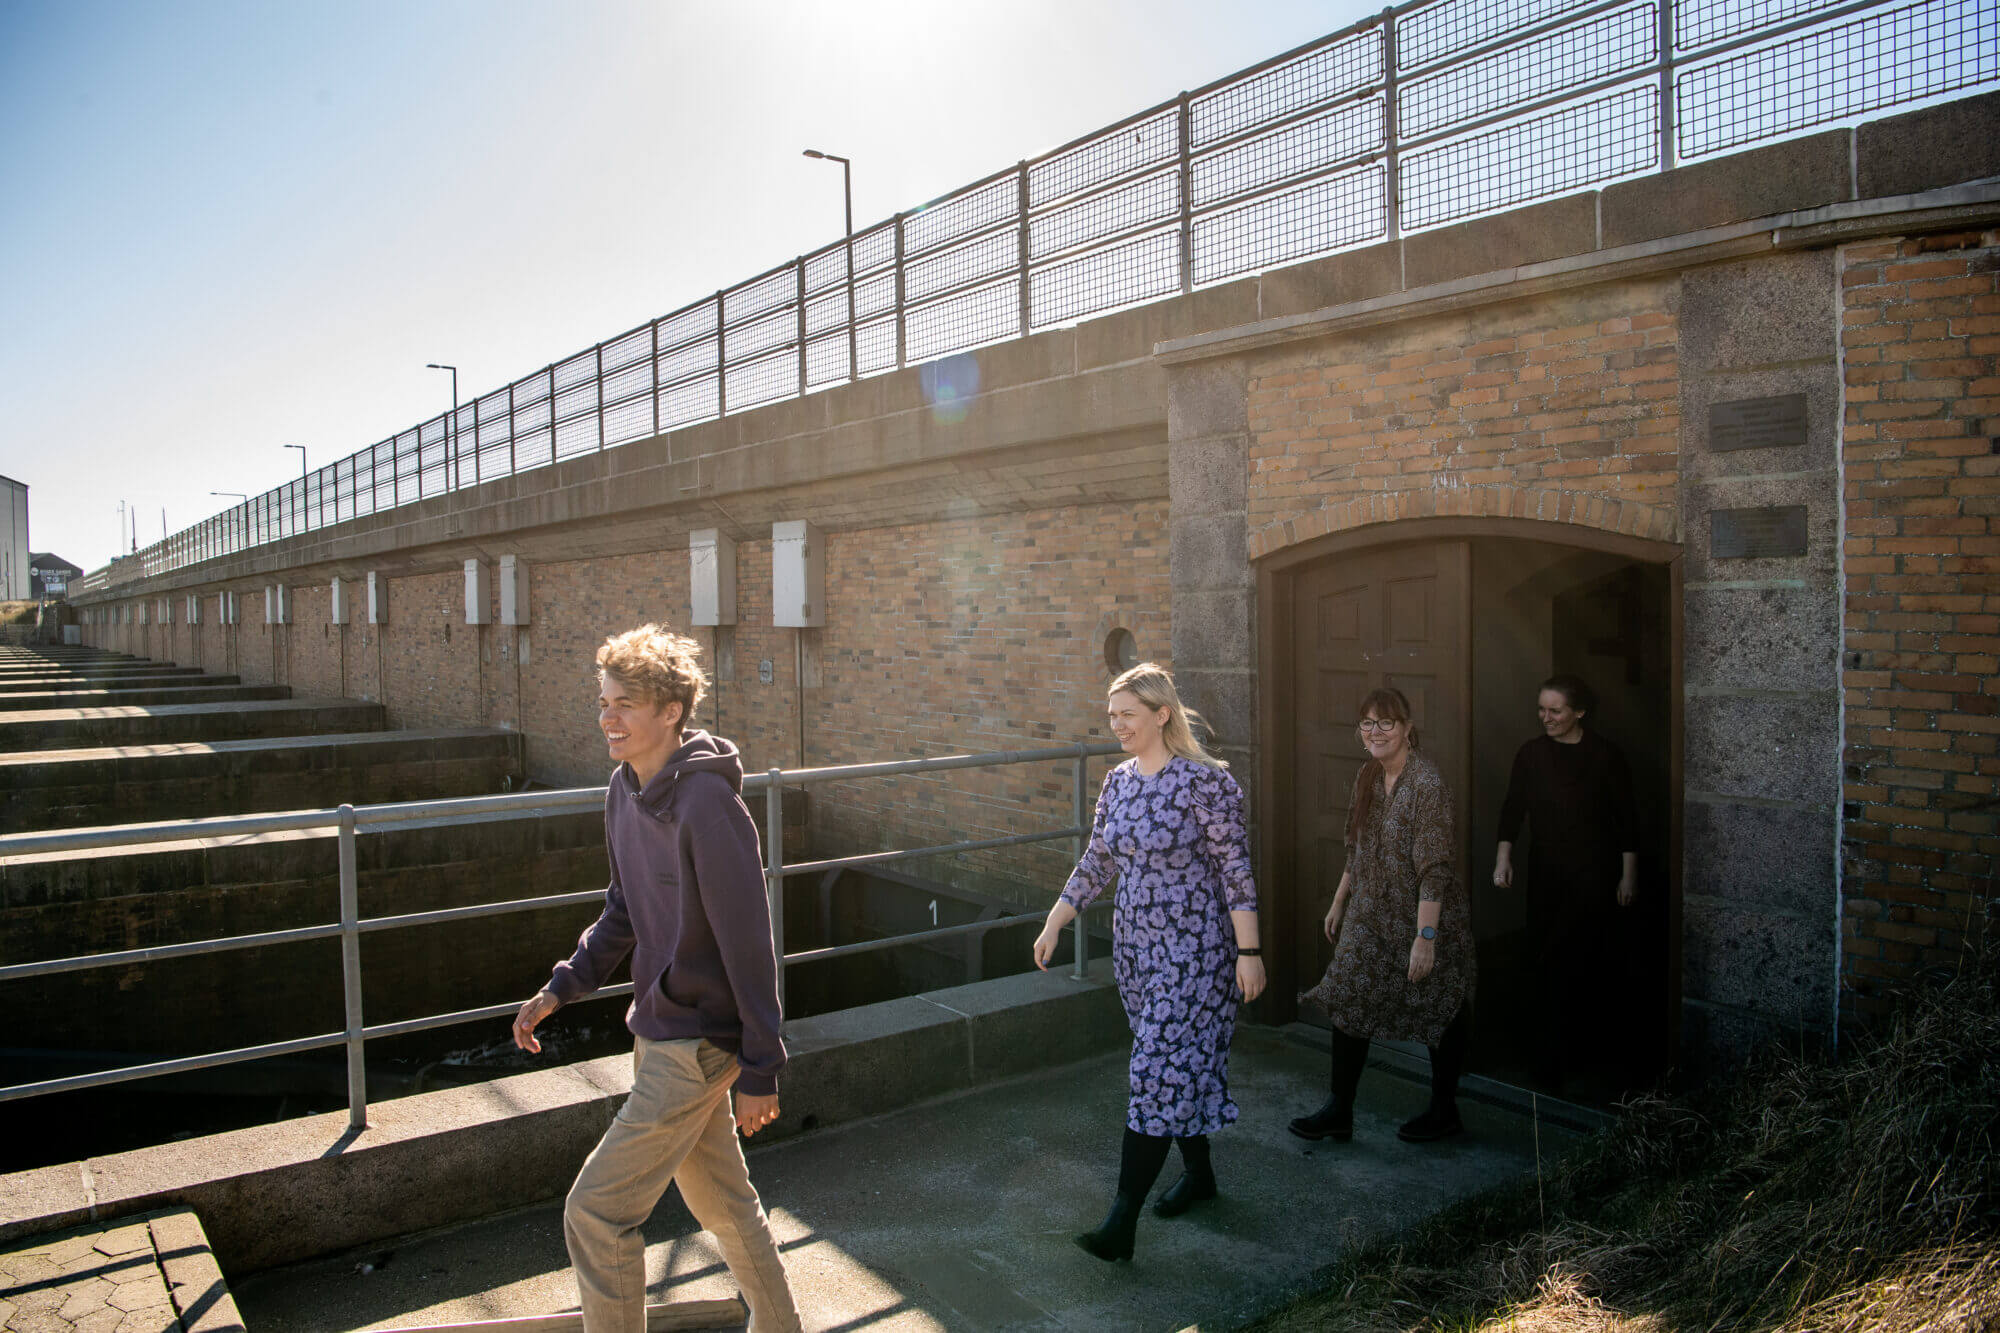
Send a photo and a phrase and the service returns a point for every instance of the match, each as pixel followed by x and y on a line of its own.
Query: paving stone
pixel 25 1268
pixel 105 1320
pixel 125 1240
pixel 67 1252
pixel 137 1295
pixel 152 1319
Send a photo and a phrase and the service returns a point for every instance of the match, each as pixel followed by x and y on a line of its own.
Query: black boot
pixel 1197 1182
pixel 1335 1120
pixel 1140 1158
pixel 1113 1238
pixel 1440 1119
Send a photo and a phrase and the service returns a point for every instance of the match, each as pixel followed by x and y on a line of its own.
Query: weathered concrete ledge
pixel 281 1193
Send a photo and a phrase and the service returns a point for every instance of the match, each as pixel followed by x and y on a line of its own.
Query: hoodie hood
pixel 699 752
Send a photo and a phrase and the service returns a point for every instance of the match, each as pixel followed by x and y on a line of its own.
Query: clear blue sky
pixel 226 227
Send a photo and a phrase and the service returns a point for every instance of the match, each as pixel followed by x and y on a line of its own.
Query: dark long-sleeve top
pixel 686 900
pixel 1578 801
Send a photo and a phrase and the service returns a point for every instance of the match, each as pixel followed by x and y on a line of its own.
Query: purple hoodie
pixel 686 900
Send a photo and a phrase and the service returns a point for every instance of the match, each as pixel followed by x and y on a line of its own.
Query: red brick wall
pixel 1563 409
pixel 1922 456
pixel 980 633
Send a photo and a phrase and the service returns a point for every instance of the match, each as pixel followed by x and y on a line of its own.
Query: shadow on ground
pixel 958 1214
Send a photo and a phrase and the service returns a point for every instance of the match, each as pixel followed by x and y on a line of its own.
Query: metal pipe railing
pixel 787 332
pixel 348 820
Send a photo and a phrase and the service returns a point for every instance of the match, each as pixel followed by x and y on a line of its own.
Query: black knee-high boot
pixel 1335 1120
pixel 1197 1182
pixel 1440 1119
pixel 1139 1162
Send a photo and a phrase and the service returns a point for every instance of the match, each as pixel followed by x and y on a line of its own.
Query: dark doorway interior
pixel 1469 628
pixel 1538 610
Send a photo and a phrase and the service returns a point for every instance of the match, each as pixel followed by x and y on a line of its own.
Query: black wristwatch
pixel 1252 952
pixel 1427 932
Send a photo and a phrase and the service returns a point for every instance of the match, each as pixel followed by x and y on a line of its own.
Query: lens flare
pixel 950 386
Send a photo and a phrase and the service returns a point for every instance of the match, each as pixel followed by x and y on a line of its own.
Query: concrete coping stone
pixel 307 1187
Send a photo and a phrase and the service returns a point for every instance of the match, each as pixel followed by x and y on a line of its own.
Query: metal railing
pixel 352 925
pixel 1428 113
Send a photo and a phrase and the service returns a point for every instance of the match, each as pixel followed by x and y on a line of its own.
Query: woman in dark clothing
pixel 1573 788
pixel 1401 924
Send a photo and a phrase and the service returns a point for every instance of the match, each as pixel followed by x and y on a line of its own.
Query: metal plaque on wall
pixel 1768 533
pixel 1757 423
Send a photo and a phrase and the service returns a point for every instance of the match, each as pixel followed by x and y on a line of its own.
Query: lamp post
pixel 300 525
pixel 451 435
pixel 246 512
pixel 847 191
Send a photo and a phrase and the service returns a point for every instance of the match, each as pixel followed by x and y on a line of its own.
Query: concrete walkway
pixel 958 1214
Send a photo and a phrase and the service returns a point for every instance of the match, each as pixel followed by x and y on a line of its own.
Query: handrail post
pixel 1184 132
pixel 1079 844
pixel 1392 186
pixel 774 870
pixel 1023 245
pixel 1668 129
pixel 350 974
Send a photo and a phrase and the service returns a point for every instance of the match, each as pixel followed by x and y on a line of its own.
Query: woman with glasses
pixel 1401 926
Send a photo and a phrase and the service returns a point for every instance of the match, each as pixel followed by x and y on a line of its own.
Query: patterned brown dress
pixel 1404 855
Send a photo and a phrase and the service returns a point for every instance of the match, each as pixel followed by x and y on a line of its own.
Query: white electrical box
pixel 798 575
pixel 144 612
pixel 166 610
pixel 711 578
pixel 277 604
pixel 227 608
pixel 339 594
pixel 478 592
pixel 378 599
pixel 194 608
pixel 513 590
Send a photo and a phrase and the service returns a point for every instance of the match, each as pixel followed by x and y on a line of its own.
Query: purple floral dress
pixel 1180 850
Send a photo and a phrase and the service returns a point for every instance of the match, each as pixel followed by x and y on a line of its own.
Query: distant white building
pixel 13 541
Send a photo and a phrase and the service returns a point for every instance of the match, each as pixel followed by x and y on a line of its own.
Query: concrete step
pixel 163 679
pixel 91 670
pixel 212 691
pixel 154 724
pixel 72 788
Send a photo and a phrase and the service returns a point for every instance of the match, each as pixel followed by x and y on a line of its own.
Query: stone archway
pixel 1433 604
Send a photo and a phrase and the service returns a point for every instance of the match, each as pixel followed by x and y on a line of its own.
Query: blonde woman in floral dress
pixel 1401 922
pixel 1170 829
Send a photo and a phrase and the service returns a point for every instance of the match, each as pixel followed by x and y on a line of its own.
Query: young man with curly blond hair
pixel 686 901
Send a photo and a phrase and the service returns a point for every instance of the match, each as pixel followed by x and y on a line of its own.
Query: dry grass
pixel 1809 1196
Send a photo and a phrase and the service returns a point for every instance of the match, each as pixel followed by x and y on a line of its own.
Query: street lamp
pixel 847 189
pixel 300 526
pixel 452 434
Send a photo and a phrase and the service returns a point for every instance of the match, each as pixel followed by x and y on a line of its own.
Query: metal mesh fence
pixel 1487 105
pixel 1857 66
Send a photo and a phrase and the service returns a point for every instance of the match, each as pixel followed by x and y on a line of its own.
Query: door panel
pixel 1391 617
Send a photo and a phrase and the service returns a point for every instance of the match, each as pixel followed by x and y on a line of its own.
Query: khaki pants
pixel 676 1126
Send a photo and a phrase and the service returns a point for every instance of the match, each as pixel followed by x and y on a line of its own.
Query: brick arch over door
pixel 1514 509
pixel 1430 539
